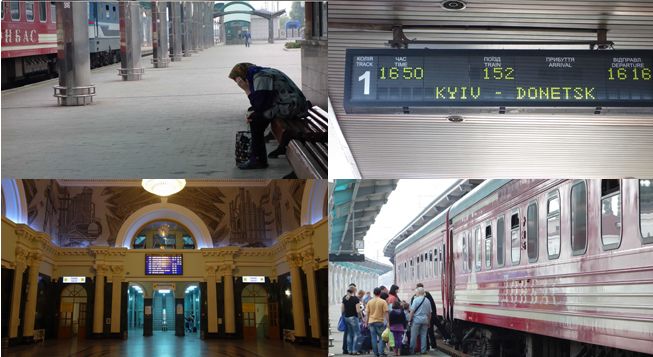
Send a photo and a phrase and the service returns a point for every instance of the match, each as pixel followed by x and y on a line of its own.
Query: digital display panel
pixel 74 279
pixel 376 78
pixel 160 264
pixel 253 279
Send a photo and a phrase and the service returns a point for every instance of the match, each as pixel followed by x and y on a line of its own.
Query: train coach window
pixel 43 8
pixel 464 252
pixel 501 237
pixel 488 246
pixel 579 218
pixel 514 239
pixel 2 8
pixel 610 214
pixel 553 225
pixel 646 210
pixel 29 10
pixel 477 253
pixel 435 262
pixel 14 10
pixel 531 232
pixel 53 12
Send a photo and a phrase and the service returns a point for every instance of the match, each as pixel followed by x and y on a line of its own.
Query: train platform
pixel 335 349
pixel 176 122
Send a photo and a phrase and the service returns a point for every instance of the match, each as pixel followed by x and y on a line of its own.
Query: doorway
pixel 135 307
pixel 163 311
pixel 192 309
pixel 255 312
pixel 72 312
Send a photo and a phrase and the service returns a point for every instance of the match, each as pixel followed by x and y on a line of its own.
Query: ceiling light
pixel 164 291
pixel 161 187
pixel 453 5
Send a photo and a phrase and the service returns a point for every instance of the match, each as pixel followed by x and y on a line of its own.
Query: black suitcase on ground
pixel 243 146
pixel 194 329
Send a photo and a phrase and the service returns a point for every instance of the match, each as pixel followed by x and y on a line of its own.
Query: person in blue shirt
pixel 420 320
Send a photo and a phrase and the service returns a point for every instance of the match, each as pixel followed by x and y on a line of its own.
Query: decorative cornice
pixel 256 252
pixel 220 252
pixel 108 251
pixel 74 252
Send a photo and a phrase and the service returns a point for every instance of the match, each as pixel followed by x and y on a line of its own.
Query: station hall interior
pixel 221 267
pixel 149 81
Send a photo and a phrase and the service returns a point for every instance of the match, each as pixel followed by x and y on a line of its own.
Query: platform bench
pixel 307 154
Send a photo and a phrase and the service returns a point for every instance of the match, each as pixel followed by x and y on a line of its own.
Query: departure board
pixel 377 78
pixel 164 264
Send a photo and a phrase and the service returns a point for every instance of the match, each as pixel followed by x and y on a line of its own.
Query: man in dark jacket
pixel 434 320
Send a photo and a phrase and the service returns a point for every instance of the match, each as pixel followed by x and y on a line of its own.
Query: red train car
pixel 29 39
pixel 540 267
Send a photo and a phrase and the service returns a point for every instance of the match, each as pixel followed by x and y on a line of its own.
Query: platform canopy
pixel 367 266
pixel 353 206
pixel 448 197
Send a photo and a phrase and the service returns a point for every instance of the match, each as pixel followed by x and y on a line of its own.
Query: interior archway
pixel 313 201
pixel 164 211
pixel 14 200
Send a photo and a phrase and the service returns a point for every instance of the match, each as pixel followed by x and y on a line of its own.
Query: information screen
pixel 501 78
pixel 160 264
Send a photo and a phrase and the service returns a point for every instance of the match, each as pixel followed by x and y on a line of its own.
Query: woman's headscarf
pixel 240 70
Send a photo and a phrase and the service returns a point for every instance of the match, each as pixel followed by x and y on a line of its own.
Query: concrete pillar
pixel 309 268
pixel 116 290
pixel 73 55
pixel 16 291
pixel 186 27
pixel 130 41
pixel 175 38
pixel 180 321
pixel 295 262
pixel 271 30
pixel 211 298
pixel 29 315
pixel 98 304
pixel 160 57
pixel 229 307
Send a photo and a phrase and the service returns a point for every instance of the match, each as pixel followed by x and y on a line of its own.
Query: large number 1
pixel 366 77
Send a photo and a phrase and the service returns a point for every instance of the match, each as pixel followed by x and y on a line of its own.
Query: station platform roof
pixel 367 266
pixel 354 206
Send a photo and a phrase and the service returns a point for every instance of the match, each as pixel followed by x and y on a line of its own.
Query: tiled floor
pixel 164 344
pixel 178 122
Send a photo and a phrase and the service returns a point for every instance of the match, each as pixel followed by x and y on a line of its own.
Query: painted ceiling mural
pixel 83 216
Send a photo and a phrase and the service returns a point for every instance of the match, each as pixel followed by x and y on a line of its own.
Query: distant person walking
pixel 248 37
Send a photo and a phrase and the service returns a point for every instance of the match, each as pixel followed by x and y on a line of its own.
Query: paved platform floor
pixel 164 344
pixel 177 122
pixel 336 349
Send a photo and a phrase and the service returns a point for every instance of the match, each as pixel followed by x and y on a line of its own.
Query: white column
pixel 211 294
pixel 116 290
pixel 14 316
pixel 98 304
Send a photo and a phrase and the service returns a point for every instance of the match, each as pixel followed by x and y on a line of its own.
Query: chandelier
pixel 162 187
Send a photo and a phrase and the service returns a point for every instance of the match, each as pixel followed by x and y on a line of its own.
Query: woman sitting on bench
pixel 272 94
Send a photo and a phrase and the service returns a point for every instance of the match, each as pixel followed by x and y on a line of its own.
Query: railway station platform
pixel 179 121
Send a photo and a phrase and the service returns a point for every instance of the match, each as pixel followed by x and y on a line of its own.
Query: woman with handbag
pixel 397 322
pixel 351 310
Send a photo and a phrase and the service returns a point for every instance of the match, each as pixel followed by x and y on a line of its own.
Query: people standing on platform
pixel 397 321
pixel 351 309
pixel 420 320
pixel 434 320
pixel 345 347
pixel 367 297
pixel 377 313
pixel 392 295
pixel 272 94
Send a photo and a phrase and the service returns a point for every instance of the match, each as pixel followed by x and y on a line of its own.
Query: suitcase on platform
pixel 243 146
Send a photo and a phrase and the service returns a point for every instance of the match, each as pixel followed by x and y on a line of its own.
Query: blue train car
pixel 103 33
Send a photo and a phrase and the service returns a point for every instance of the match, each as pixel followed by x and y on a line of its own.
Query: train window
pixel 514 238
pixel 435 262
pixel 107 14
pixel 464 252
pixel 29 10
pixel 2 9
pixel 14 10
pixel 470 252
pixel 53 12
pixel 531 232
pixel 553 225
pixel 488 246
pixel 501 237
pixel 579 218
pixel 442 259
pixel 477 253
pixel 646 210
pixel 610 214
pixel 43 8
